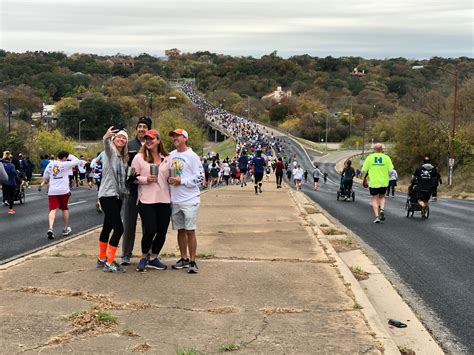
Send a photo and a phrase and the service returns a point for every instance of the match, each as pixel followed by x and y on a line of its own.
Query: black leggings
pixel 155 221
pixel 8 194
pixel 111 207
pixel 279 177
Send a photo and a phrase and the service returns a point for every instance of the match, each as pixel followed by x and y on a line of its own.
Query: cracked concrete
pixel 266 285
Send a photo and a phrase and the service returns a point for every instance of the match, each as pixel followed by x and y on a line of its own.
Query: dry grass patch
pixel 331 231
pixel 93 322
pixel 223 310
pixel 346 244
pixel 141 348
pixel 406 351
pixel 281 310
pixel 129 333
pixel 311 210
pixel 359 273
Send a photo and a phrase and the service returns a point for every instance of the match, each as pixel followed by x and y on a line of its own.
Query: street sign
pixel 451 162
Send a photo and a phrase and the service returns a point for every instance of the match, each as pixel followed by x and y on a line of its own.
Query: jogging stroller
pixel 412 204
pixel 345 193
pixel 19 193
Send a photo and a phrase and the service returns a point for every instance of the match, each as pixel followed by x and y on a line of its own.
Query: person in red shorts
pixel 56 176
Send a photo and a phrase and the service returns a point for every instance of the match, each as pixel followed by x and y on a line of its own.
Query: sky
pixel 414 29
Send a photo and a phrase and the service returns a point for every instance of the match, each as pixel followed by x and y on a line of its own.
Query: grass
pixel 359 273
pixel 105 317
pixel 230 347
pixel 225 148
pixel 356 306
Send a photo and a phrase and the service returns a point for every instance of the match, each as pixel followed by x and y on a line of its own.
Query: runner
pixel 316 177
pixel 56 175
pixel 378 166
pixel 258 163
pixel 298 177
pixel 279 172
pixel 243 162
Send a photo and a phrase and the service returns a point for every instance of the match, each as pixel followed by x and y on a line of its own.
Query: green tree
pixel 173 119
pixel 51 143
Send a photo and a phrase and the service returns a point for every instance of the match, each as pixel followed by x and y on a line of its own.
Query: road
pixel 26 230
pixel 431 261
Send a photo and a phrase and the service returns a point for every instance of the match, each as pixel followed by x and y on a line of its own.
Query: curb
pixel 368 310
pixel 18 259
pixel 370 294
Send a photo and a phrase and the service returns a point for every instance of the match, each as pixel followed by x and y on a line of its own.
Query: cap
pixel 152 133
pixel 179 131
pixel 120 133
pixel 145 120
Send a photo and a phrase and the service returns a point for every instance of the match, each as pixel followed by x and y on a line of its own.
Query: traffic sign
pixel 451 162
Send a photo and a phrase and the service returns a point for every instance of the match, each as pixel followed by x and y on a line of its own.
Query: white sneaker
pixel 66 231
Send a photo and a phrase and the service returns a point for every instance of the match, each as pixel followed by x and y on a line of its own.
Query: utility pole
pixel 80 122
pixel 9 112
pixel 363 138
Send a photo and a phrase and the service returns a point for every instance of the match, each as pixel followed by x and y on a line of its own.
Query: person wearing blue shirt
pixel 259 164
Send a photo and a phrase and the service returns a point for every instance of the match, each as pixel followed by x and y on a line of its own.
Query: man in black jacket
pixel 130 209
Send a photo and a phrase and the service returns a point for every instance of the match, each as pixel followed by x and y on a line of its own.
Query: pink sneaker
pixel 10 211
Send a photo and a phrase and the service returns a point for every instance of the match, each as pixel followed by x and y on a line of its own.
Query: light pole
pixel 80 122
pixel 327 126
pixel 451 157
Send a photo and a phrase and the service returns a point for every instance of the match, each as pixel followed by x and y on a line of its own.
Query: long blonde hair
pixel 122 153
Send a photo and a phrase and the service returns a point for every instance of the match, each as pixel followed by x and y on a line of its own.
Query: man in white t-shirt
pixel 56 175
pixel 298 176
pixel 185 197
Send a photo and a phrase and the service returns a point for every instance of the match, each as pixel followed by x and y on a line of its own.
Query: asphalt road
pixel 432 261
pixel 26 230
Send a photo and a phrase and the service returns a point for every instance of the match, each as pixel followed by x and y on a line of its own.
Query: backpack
pixel 214 170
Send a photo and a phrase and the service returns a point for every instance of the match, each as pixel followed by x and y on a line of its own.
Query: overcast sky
pixel 366 28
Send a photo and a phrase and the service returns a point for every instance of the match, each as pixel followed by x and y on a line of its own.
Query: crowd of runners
pixel 135 175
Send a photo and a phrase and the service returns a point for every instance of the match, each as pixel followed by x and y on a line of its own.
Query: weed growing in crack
pixel 356 306
pixel 359 273
pixel 206 255
pixel 141 348
pixel 230 347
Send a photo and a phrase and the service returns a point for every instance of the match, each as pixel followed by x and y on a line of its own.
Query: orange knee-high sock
pixel 111 251
pixel 102 250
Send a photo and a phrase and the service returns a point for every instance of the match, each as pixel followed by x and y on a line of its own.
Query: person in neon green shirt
pixel 378 166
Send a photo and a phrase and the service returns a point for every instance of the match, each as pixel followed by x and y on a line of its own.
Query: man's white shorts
pixel 184 216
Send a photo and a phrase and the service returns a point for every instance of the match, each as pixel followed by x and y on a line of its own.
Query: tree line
pixel 385 100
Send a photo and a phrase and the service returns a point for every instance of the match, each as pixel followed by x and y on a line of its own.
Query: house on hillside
pixel 277 95
pixel 358 73
pixel 47 116
pixel 122 61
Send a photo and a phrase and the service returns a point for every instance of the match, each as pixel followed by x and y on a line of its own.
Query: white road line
pixel 78 202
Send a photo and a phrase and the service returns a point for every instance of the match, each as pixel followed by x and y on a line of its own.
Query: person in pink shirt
pixel 154 202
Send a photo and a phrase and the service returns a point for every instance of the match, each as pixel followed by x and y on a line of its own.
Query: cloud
pixel 370 28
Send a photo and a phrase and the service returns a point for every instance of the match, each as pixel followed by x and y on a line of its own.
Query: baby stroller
pixel 345 193
pixel 19 193
pixel 412 204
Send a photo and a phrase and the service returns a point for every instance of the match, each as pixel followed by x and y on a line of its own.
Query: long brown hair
pixel 146 154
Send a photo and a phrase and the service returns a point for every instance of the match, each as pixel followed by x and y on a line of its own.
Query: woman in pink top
pixel 154 203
